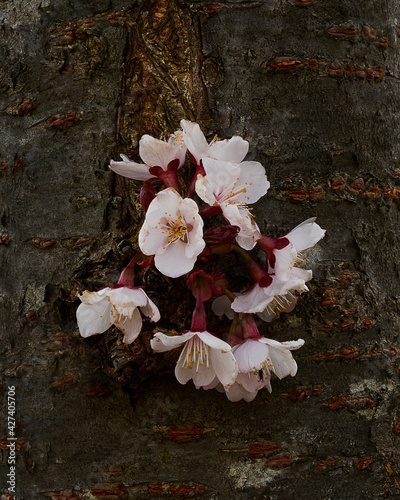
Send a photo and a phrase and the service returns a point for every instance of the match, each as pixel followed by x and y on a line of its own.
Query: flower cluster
pixel 173 234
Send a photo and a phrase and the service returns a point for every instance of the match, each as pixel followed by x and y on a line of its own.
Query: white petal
pixel 190 213
pixel 152 240
pixel 213 341
pixel 251 355
pixel 164 206
pixel 204 190
pixel 95 318
pixel 156 153
pixel 131 169
pixel 285 260
pixel 177 140
pixel 237 392
pixel 240 216
pixel 90 298
pixel 131 327
pixel 252 181
pixel 126 300
pixel 194 139
pixel 151 311
pixel 232 150
pixel 281 357
pixel 225 366
pixel 161 342
pixel 174 262
pixel 250 381
pixel 252 301
pixel 202 375
pixel 222 176
pixel 305 235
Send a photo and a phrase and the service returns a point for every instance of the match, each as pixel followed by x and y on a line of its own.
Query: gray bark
pixel 314 86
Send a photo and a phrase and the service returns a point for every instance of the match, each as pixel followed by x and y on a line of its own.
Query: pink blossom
pixel 232 187
pixel 173 233
pixel 115 306
pixel 154 153
pixel 257 359
pixel 233 150
pixel 203 359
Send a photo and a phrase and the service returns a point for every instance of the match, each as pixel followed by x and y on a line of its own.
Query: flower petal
pixel 251 381
pixel 285 259
pixel 252 301
pixel 194 139
pixel 161 342
pixel 126 300
pixel 232 150
pixel 237 392
pixel 131 169
pixel 156 153
pixel 95 318
pixel 174 262
pixel 305 235
pixel 225 366
pixel 131 327
pixel 251 355
pixel 151 310
pixel 222 305
pixel 213 341
pixel 252 182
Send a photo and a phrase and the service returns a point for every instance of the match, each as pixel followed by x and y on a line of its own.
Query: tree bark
pixel 313 85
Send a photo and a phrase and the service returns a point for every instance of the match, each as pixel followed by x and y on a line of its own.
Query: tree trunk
pixel 313 86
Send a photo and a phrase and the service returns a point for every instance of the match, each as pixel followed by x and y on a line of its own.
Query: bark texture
pixel 314 86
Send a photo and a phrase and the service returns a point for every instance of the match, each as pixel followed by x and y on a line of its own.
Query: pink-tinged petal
pixel 305 235
pixel 151 311
pixel 190 213
pixel 156 153
pixel 90 298
pixel 252 183
pixel 223 177
pixel 232 150
pixel 125 300
pixel 237 392
pixel 250 355
pixel 204 190
pixel 239 216
pixel 225 366
pixel 281 357
pixel 194 139
pixel 164 207
pixel 211 385
pixel 285 259
pixel 250 381
pixel 177 140
pixel 174 262
pixel 95 318
pixel 195 243
pixel 248 242
pixel 298 274
pixel 222 305
pixel 152 240
pixel 131 327
pixel 252 301
pixel 213 341
pixel 131 169
pixel 161 342
pixel 203 375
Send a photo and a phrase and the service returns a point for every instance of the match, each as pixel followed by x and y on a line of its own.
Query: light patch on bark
pixel 33 298
pixel 22 11
pixel 251 474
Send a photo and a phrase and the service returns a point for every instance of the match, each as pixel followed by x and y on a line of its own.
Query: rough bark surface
pixel 314 86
